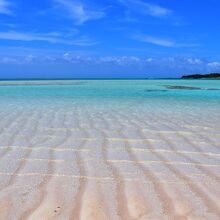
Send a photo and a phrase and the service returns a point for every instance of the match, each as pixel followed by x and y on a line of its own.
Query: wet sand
pixel 108 165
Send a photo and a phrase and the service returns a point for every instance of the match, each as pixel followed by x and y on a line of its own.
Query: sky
pixel 108 38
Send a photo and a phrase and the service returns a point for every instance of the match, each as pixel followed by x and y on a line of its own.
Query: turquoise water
pixel 112 89
pixel 139 137
pixel 141 98
pixel 115 91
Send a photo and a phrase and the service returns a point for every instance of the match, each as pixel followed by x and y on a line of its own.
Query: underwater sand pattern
pixel 88 152
pixel 78 165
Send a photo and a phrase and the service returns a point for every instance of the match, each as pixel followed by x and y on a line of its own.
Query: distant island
pixel 202 76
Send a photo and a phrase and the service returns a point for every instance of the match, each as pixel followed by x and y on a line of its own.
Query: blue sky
pixel 108 38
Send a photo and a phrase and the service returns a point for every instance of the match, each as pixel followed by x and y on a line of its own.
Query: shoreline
pixel 115 152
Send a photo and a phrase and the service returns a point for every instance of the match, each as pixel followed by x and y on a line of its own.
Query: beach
pixel 110 150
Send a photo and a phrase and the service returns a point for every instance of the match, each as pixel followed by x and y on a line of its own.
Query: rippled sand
pixel 74 165
pixel 101 162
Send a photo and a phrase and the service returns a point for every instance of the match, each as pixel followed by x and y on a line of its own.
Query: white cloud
pixel 4 7
pixel 214 64
pixel 159 41
pixel 30 58
pixel 155 41
pixel 194 61
pixel 168 65
pixel 121 60
pixel 8 60
pixel 20 36
pixel 149 60
pixel 71 58
pixel 79 12
pixel 145 8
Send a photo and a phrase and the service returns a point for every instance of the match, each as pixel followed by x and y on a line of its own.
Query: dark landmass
pixel 202 76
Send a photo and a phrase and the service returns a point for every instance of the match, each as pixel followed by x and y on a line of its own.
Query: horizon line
pixel 85 78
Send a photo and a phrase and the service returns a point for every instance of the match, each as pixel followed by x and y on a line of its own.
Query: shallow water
pixel 114 149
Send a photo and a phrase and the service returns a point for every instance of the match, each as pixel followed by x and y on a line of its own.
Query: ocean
pixel 110 149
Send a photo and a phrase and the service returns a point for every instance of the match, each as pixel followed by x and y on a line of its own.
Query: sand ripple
pixel 97 165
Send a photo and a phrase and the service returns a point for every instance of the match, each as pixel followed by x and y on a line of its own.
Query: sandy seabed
pixel 108 165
